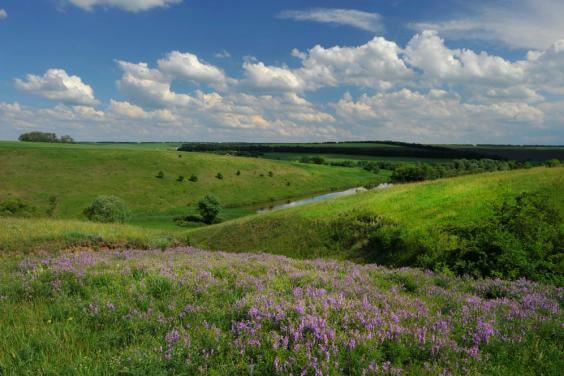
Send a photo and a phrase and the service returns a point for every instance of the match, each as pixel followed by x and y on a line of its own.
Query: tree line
pixel 45 137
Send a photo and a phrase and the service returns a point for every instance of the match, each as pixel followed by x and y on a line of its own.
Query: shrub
pixel 553 162
pixel 16 207
pixel 238 173
pixel 180 178
pixel 193 178
pixel 522 239
pixel 106 208
pixel 160 175
pixel 209 209
pixel 53 202
pixel 219 176
pixel 270 173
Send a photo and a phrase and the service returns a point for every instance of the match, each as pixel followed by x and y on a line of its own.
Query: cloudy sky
pixel 437 71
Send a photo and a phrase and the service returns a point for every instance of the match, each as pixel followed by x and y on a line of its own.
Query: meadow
pixel 186 311
pixel 355 285
pixel 74 174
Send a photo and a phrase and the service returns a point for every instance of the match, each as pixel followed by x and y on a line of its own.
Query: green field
pixel 77 173
pixel 420 209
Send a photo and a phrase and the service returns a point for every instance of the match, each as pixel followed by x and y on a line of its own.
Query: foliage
pixel 209 209
pixel 553 162
pixel 160 175
pixel 523 238
pixel 107 209
pixel 219 176
pixel 53 202
pixel 180 178
pixel 45 137
pixel 193 178
pixel 16 208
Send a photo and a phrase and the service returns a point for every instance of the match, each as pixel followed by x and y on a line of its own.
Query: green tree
pixel 208 208
pixel 107 208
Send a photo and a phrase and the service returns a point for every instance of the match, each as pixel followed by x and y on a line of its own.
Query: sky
pixel 431 71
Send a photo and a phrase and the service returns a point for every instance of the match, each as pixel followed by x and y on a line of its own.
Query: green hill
pixel 77 173
pixel 421 212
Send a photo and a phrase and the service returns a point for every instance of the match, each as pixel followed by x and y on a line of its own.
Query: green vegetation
pixel 184 312
pixel 45 137
pixel 411 224
pixel 77 173
pixel 209 209
pixel 107 209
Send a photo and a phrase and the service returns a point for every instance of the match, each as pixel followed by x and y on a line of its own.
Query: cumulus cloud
pixel 56 84
pixel 188 66
pixel 424 91
pixel 128 5
pixel 149 86
pixel 349 17
pixel 517 23
pixel 3 14
pixel 428 52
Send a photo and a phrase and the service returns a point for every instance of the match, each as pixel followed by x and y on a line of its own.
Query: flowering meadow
pixel 188 311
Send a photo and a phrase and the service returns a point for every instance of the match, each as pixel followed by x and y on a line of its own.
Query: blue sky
pixel 411 70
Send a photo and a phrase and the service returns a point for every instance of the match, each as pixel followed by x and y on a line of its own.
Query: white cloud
pixel 260 76
pixel 376 64
pixel 149 86
pixel 56 84
pixel 131 111
pixel 545 69
pixel 428 52
pixel 435 116
pixel 349 17
pixel 128 5
pixel 3 14
pixel 223 55
pixel 517 23
pixel 188 66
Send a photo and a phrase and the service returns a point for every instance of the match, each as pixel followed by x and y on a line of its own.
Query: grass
pixel 420 209
pixel 186 311
pixel 29 235
pixel 77 173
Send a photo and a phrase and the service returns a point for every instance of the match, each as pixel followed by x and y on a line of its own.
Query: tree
pixel 66 139
pixel 219 175
pixel 38 137
pixel 193 178
pixel 107 208
pixel 209 209
pixel 160 175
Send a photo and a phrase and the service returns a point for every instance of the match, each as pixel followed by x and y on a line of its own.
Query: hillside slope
pixel 75 174
pixel 421 211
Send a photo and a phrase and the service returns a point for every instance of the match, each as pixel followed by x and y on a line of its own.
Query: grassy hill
pixel 421 211
pixel 77 173
pixel 184 312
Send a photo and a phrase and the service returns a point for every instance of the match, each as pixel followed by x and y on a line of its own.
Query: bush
pixel 209 209
pixel 270 173
pixel 107 209
pixel 193 178
pixel 219 176
pixel 238 173
pixel 180 178
pixel 16 207
pixel 553 163
pixel 160 175
pixel 523 239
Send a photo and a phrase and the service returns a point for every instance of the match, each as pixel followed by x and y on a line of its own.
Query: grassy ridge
pixel 421 209
pixel 77 173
